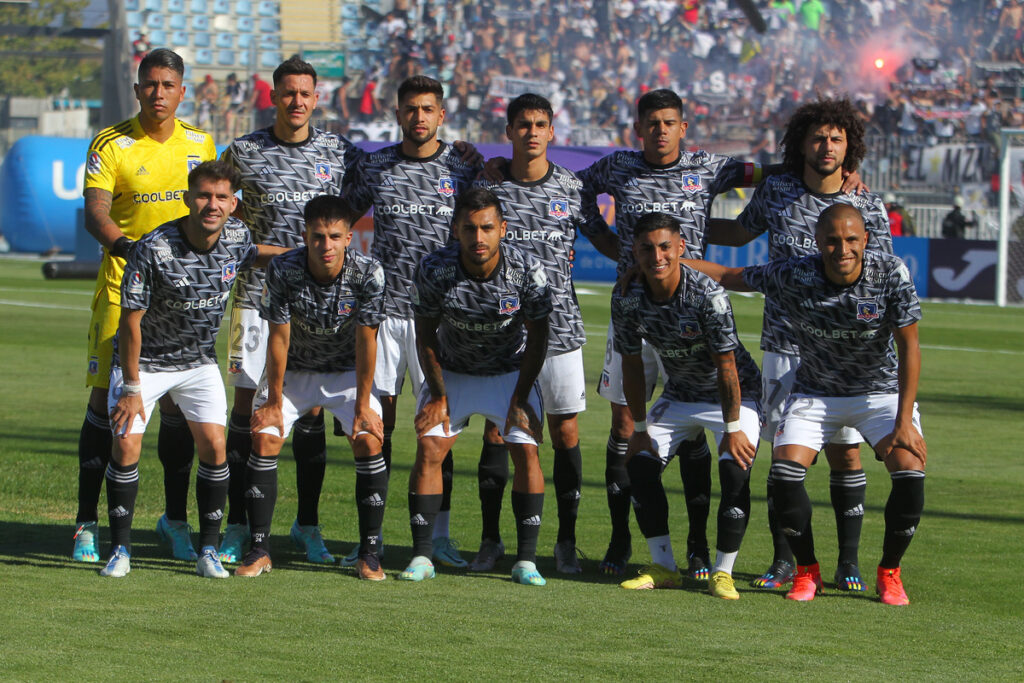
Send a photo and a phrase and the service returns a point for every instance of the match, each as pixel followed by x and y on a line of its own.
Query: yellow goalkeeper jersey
pixel 146 179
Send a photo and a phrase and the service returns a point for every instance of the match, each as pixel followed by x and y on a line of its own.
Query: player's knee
pixel 843 457
pixel 524 457
pixel 622 422
pixel 266 445
pixel 644 468
pixel 902 459
pixel 564 430
pixel 491 433
pixel 365 445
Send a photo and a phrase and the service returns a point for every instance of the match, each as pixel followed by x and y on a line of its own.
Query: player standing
pixel 482 309
pixel 712 382
pixel 823 140
pixel 544 212
pixel 412 188
pixel 175 289
pixel 323 303
pixel 135 175
pixel 846 307
pixel 282 167
pixel 666 179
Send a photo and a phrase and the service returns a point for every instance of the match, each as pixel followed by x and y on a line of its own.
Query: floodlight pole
pixel 1004 214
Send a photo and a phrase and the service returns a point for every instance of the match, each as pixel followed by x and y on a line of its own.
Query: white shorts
pixel 562 384
pixel 396 353
pixel 488 396
pixel 812 421
pixel 198 392
pixel 610 386
pixel 303 391
pixel 672 422
pixel 247 347
pixel 778 372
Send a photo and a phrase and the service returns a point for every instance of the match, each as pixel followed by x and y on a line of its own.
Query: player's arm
pixel 607 242
pixel 634 388
pixel 734 440
pixel 520 413
pixel 99 224
pixel 468 153
pixel 129 345
pixel 269 414
pixel 264 254
pixel 730 278
pixel 366 419
pixel 727 232
pixel 904 434
pixel 435 410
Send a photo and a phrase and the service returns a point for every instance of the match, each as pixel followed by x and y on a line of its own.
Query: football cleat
pixel 806 583
pixel 208 565
pixel 567 560
pixel 368 568
pixel 119 563
pixel 697 566
pixel 87 537
pixel 310 540
pixel 526 573
pixel 654 576
pixel 352 557
pixel 889 587
pixel 419 569
pixel 778 575
pixel 446 553
pixel 848 578
pixel 178 536
pixel 256 562
pixel 616 558
pixel 721 585
pixel 489 554
pixel 235 541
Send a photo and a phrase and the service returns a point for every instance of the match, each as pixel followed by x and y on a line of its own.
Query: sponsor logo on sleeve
pixel 94 165
pixel 136 282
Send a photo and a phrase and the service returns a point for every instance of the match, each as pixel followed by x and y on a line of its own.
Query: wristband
pixel 731 427
pixel 122 245
pixel 640 426
pixel 131 388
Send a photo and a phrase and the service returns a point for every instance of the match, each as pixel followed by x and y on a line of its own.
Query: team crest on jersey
pixel 445 186
pixel 688 330
pixel 235 367
pixel 94 165
pixel 94 365
pixel 691 182
pixel 136 282
pixel 228 272
pixel 558 208
pixel 867 310
pixel 322 170
pixel 192 161
pixel 346 306
pixel 508 304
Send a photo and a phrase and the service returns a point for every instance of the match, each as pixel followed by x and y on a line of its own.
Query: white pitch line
pixel 26 304
pixel 81 292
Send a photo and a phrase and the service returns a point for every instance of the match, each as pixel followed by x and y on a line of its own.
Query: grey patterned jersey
pixel 413 202
pixel 684 331
pixel 683 189
pixel 844 333
pixel 788 211
pixel 184 293
pixel 323 317
pixel 481 328
pixel 278 178
pixel 544 218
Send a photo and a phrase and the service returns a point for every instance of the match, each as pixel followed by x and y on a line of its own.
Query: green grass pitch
pixel 59 620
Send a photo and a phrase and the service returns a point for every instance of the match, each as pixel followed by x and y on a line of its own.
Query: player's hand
pixel 124 412
pixel 367 420
pixel 739 447
pixel 852 182
pixel 522 415
pixel 468 153
pixel 905 437
pixel 267 415
pixel 640 441
pixel 435 412
pixel 494 169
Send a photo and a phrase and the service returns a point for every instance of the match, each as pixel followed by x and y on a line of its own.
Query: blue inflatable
pixel 41 191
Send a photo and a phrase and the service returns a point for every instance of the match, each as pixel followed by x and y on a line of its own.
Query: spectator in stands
pixel 234 105
pixel 207 97
pixel 900 222
pixel 140 48
pixel 955 224
pixel 261 104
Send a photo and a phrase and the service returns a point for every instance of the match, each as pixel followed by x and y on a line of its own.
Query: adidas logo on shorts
pixel 119 511
pixel 533 520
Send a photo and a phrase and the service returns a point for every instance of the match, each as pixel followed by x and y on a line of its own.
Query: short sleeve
pixel 354 186
pixel 274 304
pixel 101 166
pixel 371 298
pixel 626 338
pixel 732 173
pixel 718 322
pixel 137 282
pixel 426 293
pixel 903 308
pixel 536 293
pixel 753 216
